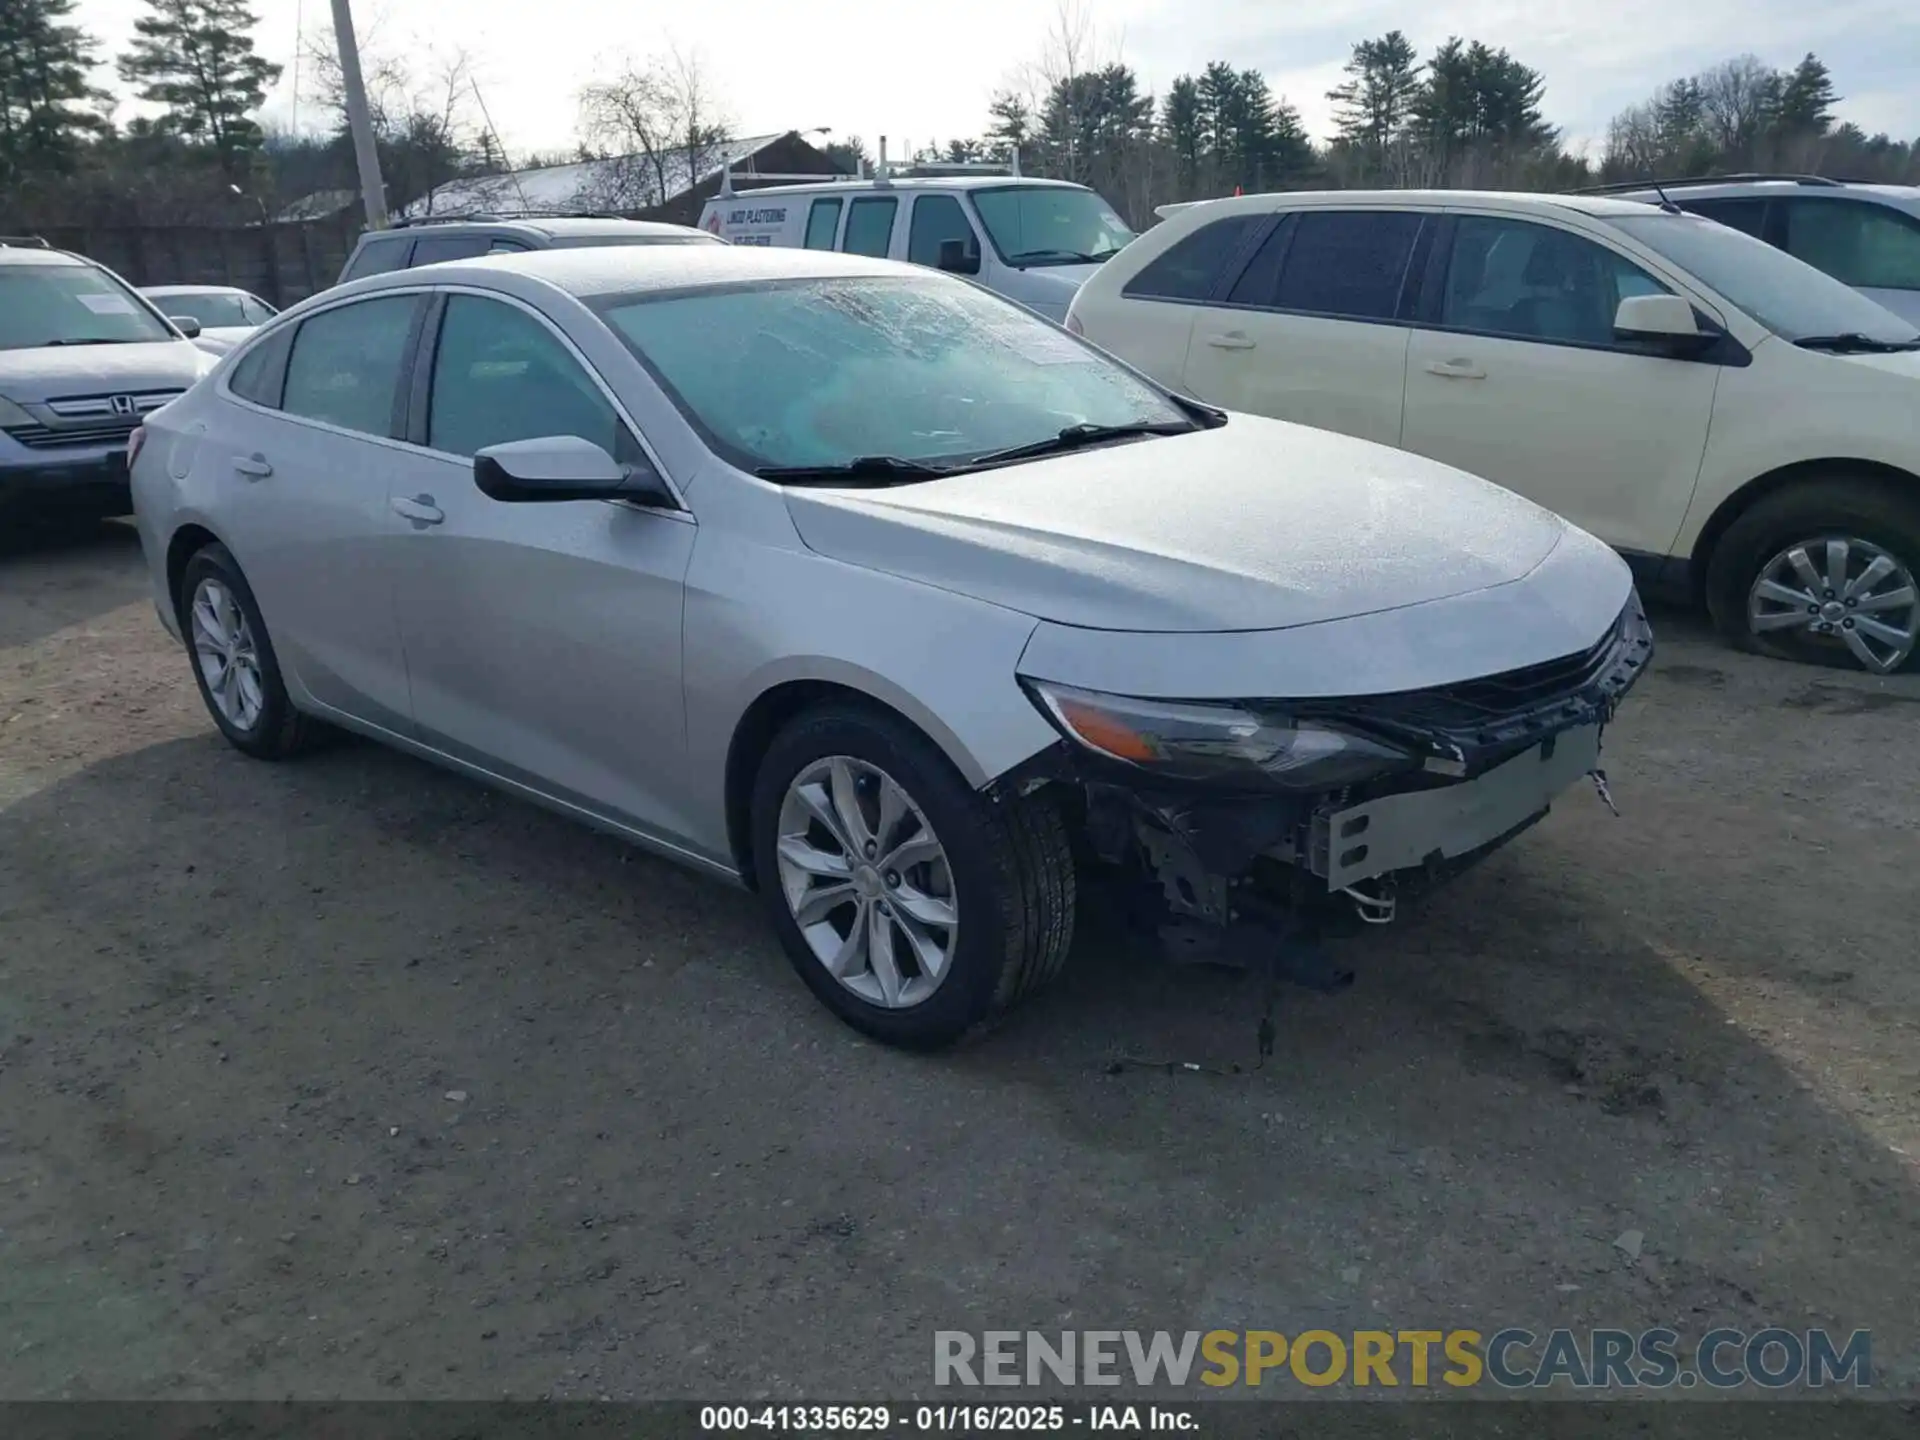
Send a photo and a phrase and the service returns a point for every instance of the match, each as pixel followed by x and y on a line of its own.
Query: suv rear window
pixel 1189 269
pixel 432 249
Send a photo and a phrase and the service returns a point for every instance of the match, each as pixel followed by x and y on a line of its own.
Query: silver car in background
pixel 217 317
pixel 852 583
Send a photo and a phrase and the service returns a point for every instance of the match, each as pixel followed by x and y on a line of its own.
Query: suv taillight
pixel 134 442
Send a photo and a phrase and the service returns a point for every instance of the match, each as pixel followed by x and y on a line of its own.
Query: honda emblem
pixel 123 405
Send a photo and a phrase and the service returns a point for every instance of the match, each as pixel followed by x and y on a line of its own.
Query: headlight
pixel 1224 743
pixel 12 414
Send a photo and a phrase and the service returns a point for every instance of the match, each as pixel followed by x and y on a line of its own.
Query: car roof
pixel 34 255
pixel 1598 205
pixel 193 290
pixel 551 226
pixel 829 186
pixel 1902 196
pixel 612 270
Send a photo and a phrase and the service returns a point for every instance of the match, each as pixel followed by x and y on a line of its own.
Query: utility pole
pixel 366 154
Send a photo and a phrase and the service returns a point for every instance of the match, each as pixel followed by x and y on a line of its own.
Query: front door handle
pixel 1232 340
pixel 420 510
pixel 1456 370
pixel 254 467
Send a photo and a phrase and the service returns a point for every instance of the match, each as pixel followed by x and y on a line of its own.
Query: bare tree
pixel 1737 103
pixel 659 126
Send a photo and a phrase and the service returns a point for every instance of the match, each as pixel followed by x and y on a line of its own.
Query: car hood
pixel 50 372
pixel 1900 362
pixel 1051 288
pixel 1256 525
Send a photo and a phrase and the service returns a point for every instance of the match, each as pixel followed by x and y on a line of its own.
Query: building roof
pixel 626 182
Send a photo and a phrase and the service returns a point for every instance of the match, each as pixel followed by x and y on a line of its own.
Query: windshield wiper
pixel 1079 437
pixel 862 470
pixel 1854 341
pixel 95 341
pixel 1069 257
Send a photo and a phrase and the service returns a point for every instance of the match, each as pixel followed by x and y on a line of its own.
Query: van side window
pixel 1871 247
pixel 1191 266
pixel 822 221
pixel 938 218
pixel 870 226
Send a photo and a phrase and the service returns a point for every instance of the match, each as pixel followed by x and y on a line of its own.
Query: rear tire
pixel 246 696
pixel 1798 561
pixel 1002 872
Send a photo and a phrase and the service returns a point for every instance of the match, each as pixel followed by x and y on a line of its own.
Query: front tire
pixel 233 660
pixel 1824 573
pixel 912 906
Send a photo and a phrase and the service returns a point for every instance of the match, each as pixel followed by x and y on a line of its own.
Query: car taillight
pixel 1074 325
pixel 134 442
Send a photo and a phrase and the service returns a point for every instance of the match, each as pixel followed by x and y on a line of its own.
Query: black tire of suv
pixel 281 731
pixel 1011 864
pixel 1876 510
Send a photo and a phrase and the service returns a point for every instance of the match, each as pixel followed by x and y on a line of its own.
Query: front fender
pixel 759 617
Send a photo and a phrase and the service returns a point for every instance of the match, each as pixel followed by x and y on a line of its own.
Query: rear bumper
pixel 93 481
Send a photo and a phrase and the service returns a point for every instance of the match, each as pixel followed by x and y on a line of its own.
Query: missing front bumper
pixel 1422 829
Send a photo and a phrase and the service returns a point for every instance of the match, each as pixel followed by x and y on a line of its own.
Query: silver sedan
pixel 856 585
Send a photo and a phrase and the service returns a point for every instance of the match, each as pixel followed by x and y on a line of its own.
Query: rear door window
pixel 870 226
pixel 1351 264
pixel 1747 216
pixel 346 363
pixel 1192 265
pixel 822 221
pixel 431 249
pixel 1871 247
pixel 377 257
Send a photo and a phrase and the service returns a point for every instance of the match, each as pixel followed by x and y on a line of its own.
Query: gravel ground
pixel 348 1078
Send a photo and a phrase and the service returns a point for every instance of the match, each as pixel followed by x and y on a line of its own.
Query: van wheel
pixel 912 906
pixel 1823 572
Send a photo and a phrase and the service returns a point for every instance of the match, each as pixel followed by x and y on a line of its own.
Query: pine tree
pixel 1180 129
pixel 196 57
pixel 1374 105
pixel 45 95
pixel 1807 99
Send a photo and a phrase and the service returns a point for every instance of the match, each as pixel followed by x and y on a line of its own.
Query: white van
pixel 1033 241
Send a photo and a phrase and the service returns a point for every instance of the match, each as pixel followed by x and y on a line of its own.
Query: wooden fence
pixel 281 263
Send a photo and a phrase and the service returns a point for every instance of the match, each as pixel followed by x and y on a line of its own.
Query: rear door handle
pixel 1456 370
pixel 254 467
pixel 420 509
pixel 1232 340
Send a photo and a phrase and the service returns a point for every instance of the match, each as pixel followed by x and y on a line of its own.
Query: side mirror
pixel 186 325
pixel 561 467
pixel 959 258
pixel 1664 320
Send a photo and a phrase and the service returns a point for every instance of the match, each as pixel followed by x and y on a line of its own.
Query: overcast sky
pixel 922 70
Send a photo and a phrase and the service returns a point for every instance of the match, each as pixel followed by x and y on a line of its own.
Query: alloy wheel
pixel 229 659
pixel 1839 591
pixel 867 881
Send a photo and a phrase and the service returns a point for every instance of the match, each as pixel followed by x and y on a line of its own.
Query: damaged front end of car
pixel 1253 830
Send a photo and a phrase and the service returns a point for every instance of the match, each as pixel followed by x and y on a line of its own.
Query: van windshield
pixel 1050 224
pixel 1786 295
pixel 924 374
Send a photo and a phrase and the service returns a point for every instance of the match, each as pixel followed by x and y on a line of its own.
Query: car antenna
pixel 1666 204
